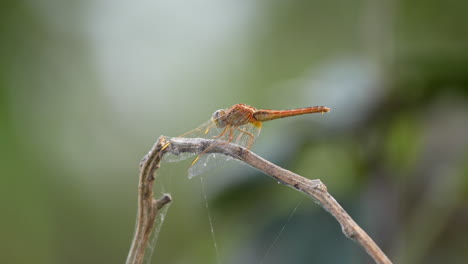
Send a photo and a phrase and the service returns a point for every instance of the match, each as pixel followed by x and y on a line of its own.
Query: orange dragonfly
pixel 240 125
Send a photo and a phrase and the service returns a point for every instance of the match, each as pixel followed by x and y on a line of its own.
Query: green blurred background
pixel 86 88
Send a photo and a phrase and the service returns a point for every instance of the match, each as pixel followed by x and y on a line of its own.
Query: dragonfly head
pixel 217 118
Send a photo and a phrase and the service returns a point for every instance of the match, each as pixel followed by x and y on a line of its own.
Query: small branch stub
pixel 161 202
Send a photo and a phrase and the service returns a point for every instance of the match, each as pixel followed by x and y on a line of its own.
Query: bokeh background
pixel 86 88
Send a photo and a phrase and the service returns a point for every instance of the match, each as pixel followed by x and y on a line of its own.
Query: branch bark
pixel 148 207
pixel 313 188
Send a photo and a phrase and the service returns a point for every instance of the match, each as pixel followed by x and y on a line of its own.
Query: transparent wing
pixel 206 130
pixel 206 162
pixel 243 136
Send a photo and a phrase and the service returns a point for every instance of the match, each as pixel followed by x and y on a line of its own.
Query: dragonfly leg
pixel 224 132
pixel 251 137
pixel 231 135
pixel 212 145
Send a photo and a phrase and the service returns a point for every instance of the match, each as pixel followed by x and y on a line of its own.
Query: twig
pixel 148 207
pixel 313 188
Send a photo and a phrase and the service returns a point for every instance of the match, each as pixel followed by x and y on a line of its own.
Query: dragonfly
pixel 240 124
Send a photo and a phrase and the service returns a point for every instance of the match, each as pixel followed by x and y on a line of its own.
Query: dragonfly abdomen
pixel 266 115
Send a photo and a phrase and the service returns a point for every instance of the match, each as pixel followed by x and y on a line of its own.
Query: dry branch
pixel 313 188
pixel 148 207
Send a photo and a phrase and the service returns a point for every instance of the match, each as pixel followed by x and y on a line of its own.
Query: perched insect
pixel 240 125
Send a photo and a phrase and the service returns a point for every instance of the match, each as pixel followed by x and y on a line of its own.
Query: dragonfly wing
pixel 170 157
pixel 206 162
pixel 206 130
pixel 245 135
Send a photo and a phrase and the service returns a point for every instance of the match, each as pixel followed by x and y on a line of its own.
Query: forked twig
pixel 148 207
pixel 313 188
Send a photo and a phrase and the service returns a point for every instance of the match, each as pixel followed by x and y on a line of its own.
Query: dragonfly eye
pixel 217 118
